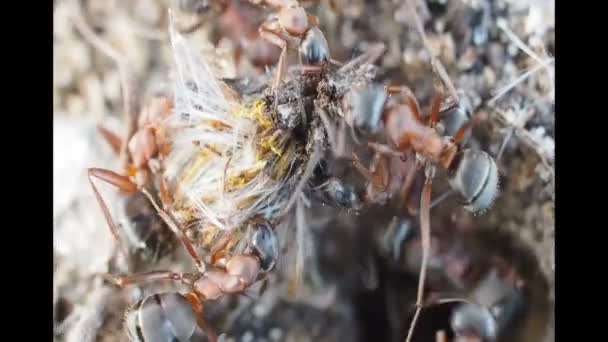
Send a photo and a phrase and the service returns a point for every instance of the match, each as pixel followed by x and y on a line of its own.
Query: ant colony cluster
pixel 224 169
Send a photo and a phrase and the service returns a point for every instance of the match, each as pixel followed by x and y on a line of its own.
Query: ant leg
pixel 409 98
pixel 309 69
pixel 125 184
pixel 195 301
pixel 425 230
pixel 384 149
pixel 462 130
pixel 139 278
pixel 436 64
pixel 217 251
pixel 271 35
pixel 118 181
pixel 171 223
pixel 442 197
pixel 409 180
pixel 367 174
pixel 377 176
pixel 165 197
pixel 368 57
pixel 434 116
pixel 128 79
pixel 112 138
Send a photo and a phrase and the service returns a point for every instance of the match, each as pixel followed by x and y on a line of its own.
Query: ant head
pixel 161 317
pixel 366 106
pixel 294 20
pixel 314 49
pixel 456 117
pixel 475 177
pixel 265 245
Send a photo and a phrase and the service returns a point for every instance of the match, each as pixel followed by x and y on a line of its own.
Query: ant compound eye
pixel 265 246
pixel 471 319
pixel 314 49
pixel 166 317
pixel 476 179
pixel 367 107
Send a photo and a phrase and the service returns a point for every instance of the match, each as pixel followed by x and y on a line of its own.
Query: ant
pixel 490 292
pixel 496 301
pixel 290 27
pixel 173 315
pixel 237 20
pixel 148 142
pixel 473 174
pixel 395 112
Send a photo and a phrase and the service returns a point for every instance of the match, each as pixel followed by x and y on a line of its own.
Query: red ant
pixel 395 112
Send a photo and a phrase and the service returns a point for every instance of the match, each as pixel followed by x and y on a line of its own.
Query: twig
pixel 442 197
pixel 520 44
pixel 504 143
pixel 313 160
pixel 518 80
pixel 127 79
pixel 410 332
pixel 435 62
pixel 425 234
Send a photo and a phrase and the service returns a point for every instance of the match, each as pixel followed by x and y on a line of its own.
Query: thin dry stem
pixel 313 160
pixel 518 80
pixel 410 332
pixel 435 62
pixel 520 44
pixel 425 232
pixel 127 79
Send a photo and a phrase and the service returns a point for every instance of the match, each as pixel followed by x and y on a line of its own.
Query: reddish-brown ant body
pixel 290 27
pixel 149 318
pixel 395 112
pixel 472 173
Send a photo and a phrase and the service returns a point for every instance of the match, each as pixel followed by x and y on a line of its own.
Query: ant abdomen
pixel 265 246
pixel 473 320
pixel 160 318
pixel 497 305
pixel 475 177
pixel 314 49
